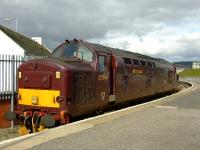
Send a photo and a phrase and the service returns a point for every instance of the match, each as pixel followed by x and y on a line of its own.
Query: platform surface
pixel 171 124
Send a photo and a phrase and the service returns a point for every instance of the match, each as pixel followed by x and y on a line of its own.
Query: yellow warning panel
pixel 42 98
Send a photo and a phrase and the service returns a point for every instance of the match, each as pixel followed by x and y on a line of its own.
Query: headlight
pixel 59 99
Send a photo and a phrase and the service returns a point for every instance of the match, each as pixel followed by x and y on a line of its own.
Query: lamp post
pixel 10 19
pixel 12 66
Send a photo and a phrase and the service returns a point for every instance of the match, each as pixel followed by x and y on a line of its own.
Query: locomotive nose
pixel 42 94
pixel 40 83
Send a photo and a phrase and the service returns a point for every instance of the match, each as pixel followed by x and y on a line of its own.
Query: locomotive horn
pixel 75 40
pixel 66 40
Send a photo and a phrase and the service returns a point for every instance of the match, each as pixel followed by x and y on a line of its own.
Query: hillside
pixel 190 73
pixel 184 64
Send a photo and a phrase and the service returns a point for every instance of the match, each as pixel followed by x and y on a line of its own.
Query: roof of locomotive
pixel 122 53
pixel 115 51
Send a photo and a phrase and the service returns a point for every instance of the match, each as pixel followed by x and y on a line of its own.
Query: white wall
pixel 8 46
pixel 196 65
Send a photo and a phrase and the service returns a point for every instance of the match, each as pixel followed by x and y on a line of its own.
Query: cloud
pixel 154 27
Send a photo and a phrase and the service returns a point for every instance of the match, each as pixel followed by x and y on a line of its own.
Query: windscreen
pixel 69 50
pixel 74 50
pixel 85 54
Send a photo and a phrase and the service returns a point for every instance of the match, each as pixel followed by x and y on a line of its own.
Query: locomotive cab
pixel 93 75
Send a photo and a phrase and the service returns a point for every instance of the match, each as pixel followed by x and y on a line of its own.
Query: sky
pixel 168 29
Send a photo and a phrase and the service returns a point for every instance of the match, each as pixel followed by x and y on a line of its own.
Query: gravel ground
pixel 8 133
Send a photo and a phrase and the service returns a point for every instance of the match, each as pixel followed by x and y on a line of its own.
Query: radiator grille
pixel 84 88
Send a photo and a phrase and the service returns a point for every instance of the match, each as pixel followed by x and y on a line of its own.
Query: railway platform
pixel 172 122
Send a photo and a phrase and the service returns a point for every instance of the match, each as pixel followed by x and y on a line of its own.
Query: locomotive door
pixel 103 84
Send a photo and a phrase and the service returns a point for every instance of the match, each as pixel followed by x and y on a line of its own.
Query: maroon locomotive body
pixel 82 77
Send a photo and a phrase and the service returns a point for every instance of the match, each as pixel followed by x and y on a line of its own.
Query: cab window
pixel 69 50
pixel 57 52
pixel 85 54
pixel 102 64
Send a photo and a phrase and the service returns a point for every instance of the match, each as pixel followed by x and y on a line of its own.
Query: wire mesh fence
pixel 8 73
pixel 8 70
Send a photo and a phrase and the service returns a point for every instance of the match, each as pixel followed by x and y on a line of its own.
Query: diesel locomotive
pixel 81 77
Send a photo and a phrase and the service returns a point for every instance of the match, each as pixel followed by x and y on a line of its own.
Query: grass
pixel 190 73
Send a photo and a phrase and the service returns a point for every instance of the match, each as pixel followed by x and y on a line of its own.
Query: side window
pixel 143 63
pixel 153 64
pixel 102 63
pixel 149 64
pixel 127 61
pixel 136 62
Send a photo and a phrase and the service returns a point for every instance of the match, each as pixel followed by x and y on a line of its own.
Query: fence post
pixel 13 88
